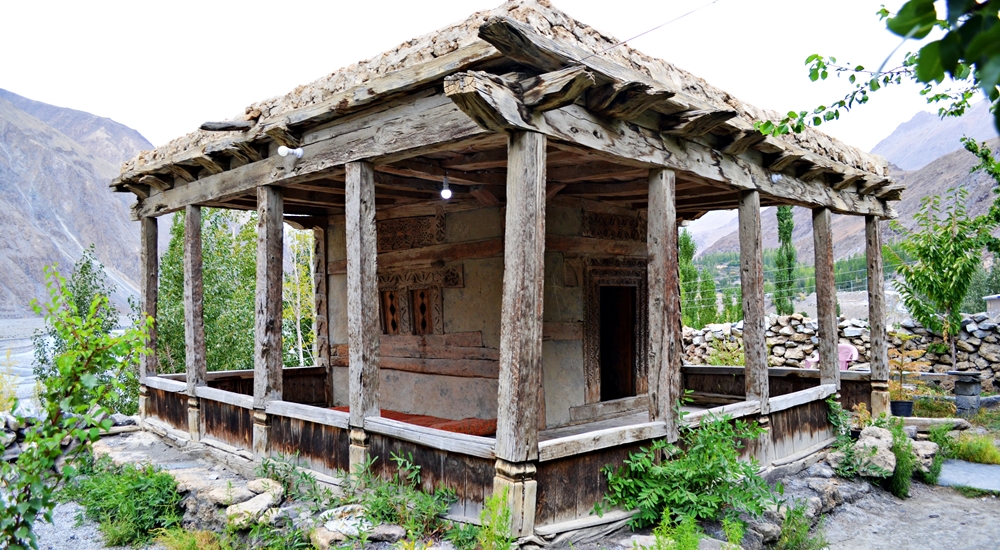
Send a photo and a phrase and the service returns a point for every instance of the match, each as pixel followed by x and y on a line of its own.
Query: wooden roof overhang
pixel 607 125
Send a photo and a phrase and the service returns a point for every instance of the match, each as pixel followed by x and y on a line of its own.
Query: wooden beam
pixel 878 355
pixel 555 89
pixel 155 182
pixel 321 327
pixel 267 364
pixel 623 189
pixel 181 172
pixel 208 164
pixel 873 185
pixel 149 265
pixel 752 282
pixel 283 136
pixel 665 346
pixel 139 190
pixel 483 160
pixel 433 172
pixel 783 161
pixel 194 301
pixel 826 298
pixel 553 189
pixel 484 196
pixel 399 130
pixel 633 144
pixel 696 123
pixel 625 100
pixel 362 293
pixel 745 140
pixel 592 171
pixel 227 126
pixel 521 312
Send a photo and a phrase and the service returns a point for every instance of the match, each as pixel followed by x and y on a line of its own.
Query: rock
pixel 987 325
pixel 386 533
pixel 270 517
pixel 323 539
pixel 783 320
pixel 965 345
pixel 980 317
pixel 880 440
pixel 796 354
pixel 768 531
pixel 348 520
pixel 829 492
pixel 787 331
pixel 11 453
pixel 835 459
pixel 119 419
pixel 925 451
pixel 227 496
pixel 990 352
pixel 852 491
pixel 243 514
pixel 11 422
pixel 775 361
pixel 852 332
pixel 7 438
pixel 778 351
pixel 820 470
pixel 910 431
pixel 264 485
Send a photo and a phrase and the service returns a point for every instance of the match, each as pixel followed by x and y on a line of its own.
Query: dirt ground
pixel 933 517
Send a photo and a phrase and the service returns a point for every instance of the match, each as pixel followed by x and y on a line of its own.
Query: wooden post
pixel 752 281
pixel 878 356
pixel 521 327
pixel 665 346
pixel 149 288
pixel 267 364
pixel 362 304
pixel 321 344
pixel 826 298
pixel 194 323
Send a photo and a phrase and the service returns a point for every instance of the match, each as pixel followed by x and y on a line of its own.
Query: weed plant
pixel 795 531
pixel 933 408
pixel 977 448
pixel 129 502
pixel 726 354
pixel 987 418
pixel 972 492
pixel 178 538
pixel 464 536
pixel 8 383
pixel 702 477
pixel 682 535
pixel 906 462
pixel 495 517
pixel 734 529
pixel 299 485
pixel 399 500
pixel 855 461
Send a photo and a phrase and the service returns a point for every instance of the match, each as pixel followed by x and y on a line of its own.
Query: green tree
pixel 87 283
pixel 689 278
pixel 732 304
pixel 708 307
pixel 71 404
pixel 784 278
pixel 964 59
pixel 984 283
pixel 229 275
pixel 299 309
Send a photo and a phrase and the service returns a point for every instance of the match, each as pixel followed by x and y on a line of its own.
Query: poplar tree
pixel 784 282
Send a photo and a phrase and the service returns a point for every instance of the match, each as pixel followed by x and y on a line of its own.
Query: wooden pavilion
pixel 526 331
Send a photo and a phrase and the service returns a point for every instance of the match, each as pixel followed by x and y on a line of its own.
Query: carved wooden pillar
pixel 521 327
pixel 194 325
pixel 362 304
pixel 826 298
pixel 149 290
pixel 665 346
pixel 878 356
pixel 267 363
pixel 754 325
pixel 321 345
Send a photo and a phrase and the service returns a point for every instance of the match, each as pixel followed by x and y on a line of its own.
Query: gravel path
pixel 64 534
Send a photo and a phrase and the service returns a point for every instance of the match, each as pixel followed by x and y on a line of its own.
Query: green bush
pixel 496 518
pixel 854 462
pixel 399 501
pixel 129 502
pixel 702 477
pixel 682 535
pixel 977 448
pixel 464 536
pixel 906 461
pixel 795 531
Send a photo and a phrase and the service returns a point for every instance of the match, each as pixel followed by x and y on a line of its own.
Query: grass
pixel 795 531
pixel 495 531
pixel 977 448
pixel 987 418
pixel 933 408
pixel 178 538
pixel 129 503
pixel 972 492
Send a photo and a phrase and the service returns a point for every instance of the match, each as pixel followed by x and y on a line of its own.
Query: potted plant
pixel 903 362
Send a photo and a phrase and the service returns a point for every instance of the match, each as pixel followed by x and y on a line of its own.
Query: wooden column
pixel 194 323
pixel 878 356
pixel 752 281
pixel 826 298
pixel 321 345
pixel 362 303
pixel 521 327
pixel 148 292
pixel 665 346
pixel 267 364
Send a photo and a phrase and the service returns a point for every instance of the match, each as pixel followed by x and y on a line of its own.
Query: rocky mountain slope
pixel 913 140
pixel 55 165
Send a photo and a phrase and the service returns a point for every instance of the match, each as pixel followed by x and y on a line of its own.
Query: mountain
pixel 917 139
pixel 55 165
pixel 926 136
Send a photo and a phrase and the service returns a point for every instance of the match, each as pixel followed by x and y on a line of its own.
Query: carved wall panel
pixel 600 272
pixel 418 296
pixel 616 227
pixel 406 233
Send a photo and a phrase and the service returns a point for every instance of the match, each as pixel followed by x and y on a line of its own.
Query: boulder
pixel 323 538
pixel 787 331
pixel 229 495
pixel 966 345
pixel 875 447
pixel 987 325
pixel 264 485
pixel 243 514
pixel 11 453
pixel 387 533
pixel 925 451
pixel 778 351
pixel 820 470
pixel 348 520
pixel 7 438
pixel 119 419
pixel 990 352
pixel 852 332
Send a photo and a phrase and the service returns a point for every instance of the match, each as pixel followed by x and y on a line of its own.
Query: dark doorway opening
pixel 618 334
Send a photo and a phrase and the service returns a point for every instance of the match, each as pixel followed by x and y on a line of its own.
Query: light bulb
pixel 285 151
pixel 446 193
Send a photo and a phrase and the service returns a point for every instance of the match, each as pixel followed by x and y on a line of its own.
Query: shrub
pixel 854 463
pixel 906 461
pixel 933 408
pixel 977 448
pixel 178 538
pixel 795 531
pixel 495 519
pixel 726 354
pixel 683 535
pixel 8 384
pixel 398 501
pixel 129 502
pixel 464 536
pixel 702 477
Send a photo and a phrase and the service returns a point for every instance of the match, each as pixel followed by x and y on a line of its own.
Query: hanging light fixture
pixel 445 191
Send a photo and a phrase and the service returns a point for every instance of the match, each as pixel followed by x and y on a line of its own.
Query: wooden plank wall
pixel 170 407
pixel 320 447
pixel 799 428
pixel 301 385
pixel 569 487
pixel 853 392
pixel 227 423
pixel 470 477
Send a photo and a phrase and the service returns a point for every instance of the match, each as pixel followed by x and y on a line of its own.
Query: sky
pixel 163 68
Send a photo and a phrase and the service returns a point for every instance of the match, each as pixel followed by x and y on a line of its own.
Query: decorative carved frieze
pixel 616 227
pixel 402 279
pixel 406 233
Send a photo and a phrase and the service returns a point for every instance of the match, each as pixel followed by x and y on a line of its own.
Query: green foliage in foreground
pixel 399 501
pixel 906 461
pixel 853 463
pixel 496 517
pixel 70 406
pixel 702 477
pixel 128 502
pixel 795 531
pixel 682 535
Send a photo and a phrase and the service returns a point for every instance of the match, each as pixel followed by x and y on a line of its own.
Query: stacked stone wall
pixel 793 338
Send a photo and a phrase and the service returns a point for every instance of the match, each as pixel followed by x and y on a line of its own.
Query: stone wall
pixel 792 338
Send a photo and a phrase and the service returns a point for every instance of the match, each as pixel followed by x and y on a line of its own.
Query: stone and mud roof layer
pixel 685 99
